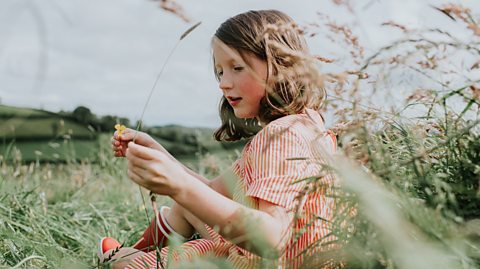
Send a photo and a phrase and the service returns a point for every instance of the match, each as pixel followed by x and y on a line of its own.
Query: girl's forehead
pixel 223 52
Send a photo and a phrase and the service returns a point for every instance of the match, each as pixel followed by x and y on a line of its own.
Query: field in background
pixel 53 214
pixel 61 189
pixel 37 135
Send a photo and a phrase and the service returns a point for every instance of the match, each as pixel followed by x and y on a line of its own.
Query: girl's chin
pixel 243 115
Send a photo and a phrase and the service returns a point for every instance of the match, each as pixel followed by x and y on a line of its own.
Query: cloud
pixel 107 54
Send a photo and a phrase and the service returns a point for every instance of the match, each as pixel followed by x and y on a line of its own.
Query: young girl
pixel 270 96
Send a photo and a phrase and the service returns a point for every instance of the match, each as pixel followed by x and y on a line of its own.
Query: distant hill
pixel 10 111
pixel 40 134
pixel 181 140
pixel 28 124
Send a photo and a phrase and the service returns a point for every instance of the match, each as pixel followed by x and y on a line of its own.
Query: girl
pixel 270 96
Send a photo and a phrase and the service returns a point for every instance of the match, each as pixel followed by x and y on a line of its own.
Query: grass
pixel 60 212
pixel 53 215
pixel 409 198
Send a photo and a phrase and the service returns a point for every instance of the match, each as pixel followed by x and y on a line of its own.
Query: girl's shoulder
pixel 306 125
pixel 309 119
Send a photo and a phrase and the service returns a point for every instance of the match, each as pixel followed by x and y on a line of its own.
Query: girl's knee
pixel 194 223
pixel 176 218
pixel 119 265
pixel 124 257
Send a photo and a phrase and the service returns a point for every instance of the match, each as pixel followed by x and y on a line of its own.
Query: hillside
pixel 10 111
pixel 47 136
pixel 32 124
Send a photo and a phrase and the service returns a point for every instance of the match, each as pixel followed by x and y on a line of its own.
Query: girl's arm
pixel 120 145
pixel 259 231
pixel 155 171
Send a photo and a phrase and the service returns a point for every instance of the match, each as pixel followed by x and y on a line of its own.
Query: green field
pixel 10 111
pixel 36 135
pixel 51 127
pixel 30 124
pixel 50 151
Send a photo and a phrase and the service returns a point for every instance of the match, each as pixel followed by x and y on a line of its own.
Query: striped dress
pixel 288 149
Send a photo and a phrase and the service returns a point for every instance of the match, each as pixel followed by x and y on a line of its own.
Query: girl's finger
pixel 118 137
pixel 127 135
pixel 118 153
pixel 116 147
pixel 136 161
pixel 141 173
pixel 137 179
pixel 113 141
pixel 143 152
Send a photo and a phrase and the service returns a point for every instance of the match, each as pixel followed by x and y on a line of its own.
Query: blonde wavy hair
pixel 293 80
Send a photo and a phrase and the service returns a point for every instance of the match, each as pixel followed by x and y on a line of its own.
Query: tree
pixel 83 115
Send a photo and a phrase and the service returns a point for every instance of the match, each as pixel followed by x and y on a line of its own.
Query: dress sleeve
pixel 272 168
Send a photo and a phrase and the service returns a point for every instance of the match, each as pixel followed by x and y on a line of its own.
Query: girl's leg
pixel 177 220
pixel 123 257
pixel 180 219
pixel 172 220
pixel 197 224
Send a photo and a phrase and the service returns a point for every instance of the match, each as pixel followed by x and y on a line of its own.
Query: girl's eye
pixel 238 68
pixel 219 73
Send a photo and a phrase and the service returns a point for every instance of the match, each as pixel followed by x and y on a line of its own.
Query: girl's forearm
pixel 254 230
pixel 159 147
pixel 195 175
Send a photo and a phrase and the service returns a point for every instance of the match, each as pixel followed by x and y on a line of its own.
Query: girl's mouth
pixel 234 100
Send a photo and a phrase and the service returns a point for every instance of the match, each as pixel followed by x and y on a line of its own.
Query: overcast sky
pixel 106 54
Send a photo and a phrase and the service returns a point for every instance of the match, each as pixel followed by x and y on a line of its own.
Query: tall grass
pixel 52 216
pixel 416 194
pixel 410 174
pixel 410 170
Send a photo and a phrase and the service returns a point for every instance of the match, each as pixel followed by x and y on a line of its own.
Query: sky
pixel 105 55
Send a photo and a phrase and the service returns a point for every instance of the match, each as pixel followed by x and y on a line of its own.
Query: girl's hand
pixel 155 170
pixel 120 142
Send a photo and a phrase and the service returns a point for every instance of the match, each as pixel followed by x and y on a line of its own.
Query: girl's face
pixel 242 84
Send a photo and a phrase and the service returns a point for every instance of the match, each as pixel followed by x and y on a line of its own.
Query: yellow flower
pixel 120 128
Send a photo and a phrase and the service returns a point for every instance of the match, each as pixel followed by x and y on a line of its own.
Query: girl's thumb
pixel 125 135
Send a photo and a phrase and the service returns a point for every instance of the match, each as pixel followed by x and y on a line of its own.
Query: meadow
pixel 409 192
pixel 61 189
pixel 52 215
pixel 416 193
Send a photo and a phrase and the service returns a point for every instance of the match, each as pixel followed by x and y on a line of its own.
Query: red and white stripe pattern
pixel 288 149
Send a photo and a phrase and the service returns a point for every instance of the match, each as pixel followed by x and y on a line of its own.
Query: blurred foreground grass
pixel 52 216
pixel 415 193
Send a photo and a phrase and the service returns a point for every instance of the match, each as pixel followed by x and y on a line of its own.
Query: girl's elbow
pixel 277 239
pixel 279 246
pixel 271 249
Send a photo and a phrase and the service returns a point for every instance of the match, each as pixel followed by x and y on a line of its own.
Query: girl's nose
pixel 225 83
